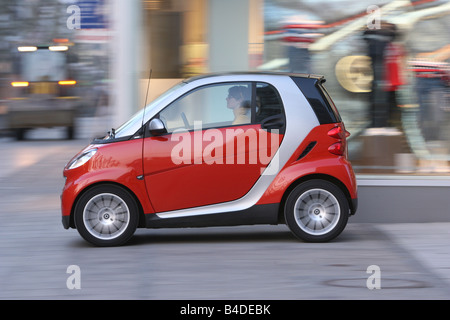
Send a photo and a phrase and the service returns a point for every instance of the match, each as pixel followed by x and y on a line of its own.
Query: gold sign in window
pixel 354 73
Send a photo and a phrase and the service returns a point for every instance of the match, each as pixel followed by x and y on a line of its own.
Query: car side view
pixel 218 150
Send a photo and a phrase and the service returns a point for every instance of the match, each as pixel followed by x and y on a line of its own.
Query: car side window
pixel 268 102
pixel 210 106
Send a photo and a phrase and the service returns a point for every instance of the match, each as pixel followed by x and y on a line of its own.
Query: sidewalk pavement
pixel 428 243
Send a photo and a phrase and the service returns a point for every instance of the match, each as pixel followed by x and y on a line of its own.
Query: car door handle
pixel 273 122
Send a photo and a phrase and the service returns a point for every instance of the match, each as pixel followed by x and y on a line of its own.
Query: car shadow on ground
pixel 243 234
pixel 208 237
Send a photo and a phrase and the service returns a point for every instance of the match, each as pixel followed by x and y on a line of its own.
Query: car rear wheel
pixel 316 211
pixel 106 215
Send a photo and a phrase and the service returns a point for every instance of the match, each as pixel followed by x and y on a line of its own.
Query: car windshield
pixel 43 65
pixel 131 126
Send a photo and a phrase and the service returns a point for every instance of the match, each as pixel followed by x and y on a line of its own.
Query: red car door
pixel 212 152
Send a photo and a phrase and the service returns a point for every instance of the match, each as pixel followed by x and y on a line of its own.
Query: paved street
pixel 250 262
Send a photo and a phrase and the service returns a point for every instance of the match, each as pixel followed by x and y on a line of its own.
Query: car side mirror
pixel 156 127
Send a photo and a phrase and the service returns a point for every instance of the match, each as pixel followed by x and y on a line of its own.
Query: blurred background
pixel 83 65
pixel 70 70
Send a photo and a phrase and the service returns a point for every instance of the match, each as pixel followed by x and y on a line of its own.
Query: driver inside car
pixel 238 100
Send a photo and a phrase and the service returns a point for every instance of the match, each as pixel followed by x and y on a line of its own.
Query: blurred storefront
pixel 169 40
pixel 386 64
pixel 398 120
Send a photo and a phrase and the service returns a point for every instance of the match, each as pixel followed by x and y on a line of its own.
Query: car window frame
pixel 283 111
pixel 252 83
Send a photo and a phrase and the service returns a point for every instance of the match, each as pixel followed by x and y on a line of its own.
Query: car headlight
pixel 81 159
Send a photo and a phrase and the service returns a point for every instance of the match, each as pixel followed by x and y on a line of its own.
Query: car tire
pixel 106 215
pixel 316 211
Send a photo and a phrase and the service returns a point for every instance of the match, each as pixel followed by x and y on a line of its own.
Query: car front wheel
pixel 316 211
pixel 106 215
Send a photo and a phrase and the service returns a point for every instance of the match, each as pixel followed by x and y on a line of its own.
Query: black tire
pixel 316 211
pixel 106 215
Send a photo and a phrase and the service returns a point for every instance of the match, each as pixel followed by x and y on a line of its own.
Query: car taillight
pixel 340 147
pixel 338 133
pixel 337 148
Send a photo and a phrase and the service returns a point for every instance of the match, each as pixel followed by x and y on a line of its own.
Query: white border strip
pixel 402 181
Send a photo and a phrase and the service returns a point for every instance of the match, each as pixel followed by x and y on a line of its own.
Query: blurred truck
pixel 42 91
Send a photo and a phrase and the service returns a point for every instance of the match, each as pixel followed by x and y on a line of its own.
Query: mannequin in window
pixel 238 100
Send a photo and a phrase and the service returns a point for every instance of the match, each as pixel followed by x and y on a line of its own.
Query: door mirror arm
pixel 156 127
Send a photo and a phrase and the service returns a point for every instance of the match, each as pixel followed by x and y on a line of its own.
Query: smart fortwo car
pixel 218 150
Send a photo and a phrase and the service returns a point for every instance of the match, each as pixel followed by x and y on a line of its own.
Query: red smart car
pixel 218 150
